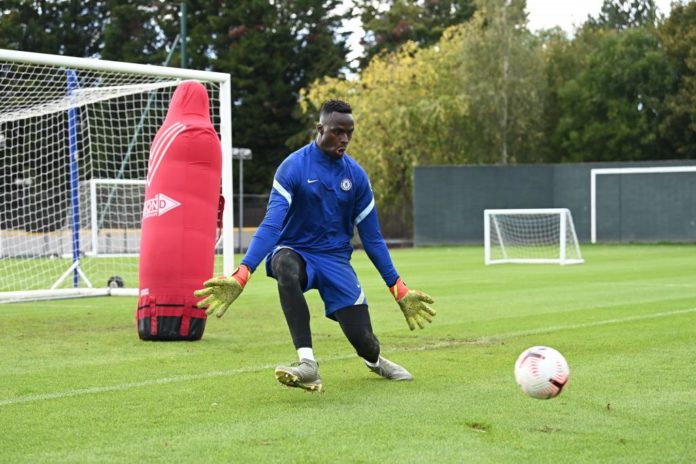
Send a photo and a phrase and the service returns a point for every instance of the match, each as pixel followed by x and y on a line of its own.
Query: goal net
pixel 75 136
pixel 530 236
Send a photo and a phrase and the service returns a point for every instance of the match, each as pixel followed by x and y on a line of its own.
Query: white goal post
pixel 75 135
pixel 622 171
pixel 536 236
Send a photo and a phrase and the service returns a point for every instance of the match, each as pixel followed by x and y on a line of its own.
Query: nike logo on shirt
pixel 311 181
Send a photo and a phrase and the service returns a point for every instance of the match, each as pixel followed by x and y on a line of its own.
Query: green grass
pixel 76 384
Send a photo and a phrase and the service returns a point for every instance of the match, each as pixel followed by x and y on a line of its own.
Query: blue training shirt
pixel 315 204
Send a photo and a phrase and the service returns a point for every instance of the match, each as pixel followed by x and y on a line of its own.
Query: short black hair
pixel 335 106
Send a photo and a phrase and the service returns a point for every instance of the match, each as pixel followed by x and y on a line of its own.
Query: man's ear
pixel 320 128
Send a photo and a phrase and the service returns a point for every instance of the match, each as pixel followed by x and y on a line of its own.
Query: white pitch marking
pixel 596 323
pixel 245 370
pixel 130 385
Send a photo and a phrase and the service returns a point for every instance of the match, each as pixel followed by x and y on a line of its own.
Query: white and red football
pixel 541 372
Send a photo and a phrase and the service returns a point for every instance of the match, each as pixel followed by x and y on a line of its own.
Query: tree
pixel 625 14
pixel 203 30
pixel 611 111
pixel 388 25
pixel 564 60
pixel 503 75
pixel 119 30
pixel 678 38
pixel 66 27
pixel 132 34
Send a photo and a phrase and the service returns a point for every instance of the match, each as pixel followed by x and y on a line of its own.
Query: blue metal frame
pixel 73 84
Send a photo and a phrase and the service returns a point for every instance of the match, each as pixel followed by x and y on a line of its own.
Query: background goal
pixel 530 236
pixel 75 137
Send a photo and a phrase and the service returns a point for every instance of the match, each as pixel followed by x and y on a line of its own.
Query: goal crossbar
pixel 82 97
pixel 106 65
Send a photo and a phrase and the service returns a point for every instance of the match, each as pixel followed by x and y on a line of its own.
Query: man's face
pixel 335 131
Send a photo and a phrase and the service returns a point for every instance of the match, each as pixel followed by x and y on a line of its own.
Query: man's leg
pixel 290 271
pixel 357 327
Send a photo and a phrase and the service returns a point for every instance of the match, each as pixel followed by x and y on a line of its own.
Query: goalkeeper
pixel 319 195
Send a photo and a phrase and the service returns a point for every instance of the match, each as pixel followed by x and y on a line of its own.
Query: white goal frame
pixel 565 221
pixel 606 171
pixel 222 101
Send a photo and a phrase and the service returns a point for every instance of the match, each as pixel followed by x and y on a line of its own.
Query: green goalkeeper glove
pixel 413 304
pixel 220 292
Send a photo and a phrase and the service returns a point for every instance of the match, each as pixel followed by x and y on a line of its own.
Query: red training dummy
pixel 177 248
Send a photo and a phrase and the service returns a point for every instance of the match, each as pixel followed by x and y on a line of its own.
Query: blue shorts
pixel 332 275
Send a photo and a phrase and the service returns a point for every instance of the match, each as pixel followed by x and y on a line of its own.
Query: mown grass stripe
pixel 250 369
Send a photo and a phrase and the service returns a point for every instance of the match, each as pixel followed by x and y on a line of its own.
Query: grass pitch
pixel 76 384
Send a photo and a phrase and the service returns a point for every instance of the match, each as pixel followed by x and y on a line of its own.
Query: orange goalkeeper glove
pixel 220 292
pixel 413 304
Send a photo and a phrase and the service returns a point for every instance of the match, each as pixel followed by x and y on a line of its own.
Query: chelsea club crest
pixel 346 184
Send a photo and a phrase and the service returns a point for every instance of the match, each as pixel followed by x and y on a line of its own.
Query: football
pixel 541 372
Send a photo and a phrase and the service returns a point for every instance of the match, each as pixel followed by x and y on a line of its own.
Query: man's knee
pixel 288 267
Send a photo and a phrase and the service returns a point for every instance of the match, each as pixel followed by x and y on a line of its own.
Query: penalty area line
pixel 251 369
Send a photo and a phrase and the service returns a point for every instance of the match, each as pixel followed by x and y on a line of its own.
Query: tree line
pixel 622 88
pixel 439 82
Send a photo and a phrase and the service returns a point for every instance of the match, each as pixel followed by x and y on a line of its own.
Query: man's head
pixel 335 127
